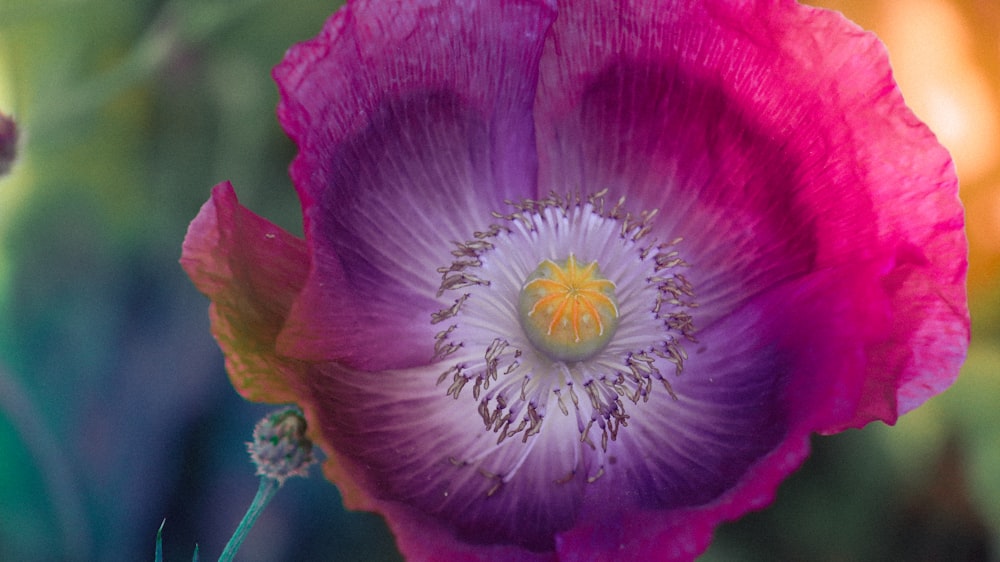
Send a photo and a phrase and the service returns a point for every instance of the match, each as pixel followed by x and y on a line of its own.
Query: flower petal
pixel 408 443
pixel 755 386
pixel 772 138
pixel 419 143
pixel 919 355
pixel 251 270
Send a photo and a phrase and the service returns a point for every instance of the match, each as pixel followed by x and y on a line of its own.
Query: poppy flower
pixel 580 279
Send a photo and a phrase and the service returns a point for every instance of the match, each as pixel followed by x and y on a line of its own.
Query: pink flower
pixel 580 281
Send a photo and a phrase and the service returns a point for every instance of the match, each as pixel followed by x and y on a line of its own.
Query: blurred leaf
pixel 158 557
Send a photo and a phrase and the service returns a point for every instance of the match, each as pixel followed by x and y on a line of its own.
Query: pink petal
pixel 919 355
pixel 774 141
pixel 756 385
pixel 406 144
pixel 251 270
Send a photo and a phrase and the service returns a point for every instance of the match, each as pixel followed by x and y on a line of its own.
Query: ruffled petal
pixel 919 354
pixel 412 445
pixel 680 535
pixel 650 111
pixel 772 138
pixel 755 386
pixel 252 271
pixel 407 143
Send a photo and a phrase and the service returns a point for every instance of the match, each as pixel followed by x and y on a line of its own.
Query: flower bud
pixel 280 448
pixel 8 143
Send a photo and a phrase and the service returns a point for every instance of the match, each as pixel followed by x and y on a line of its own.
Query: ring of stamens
pixel 641 306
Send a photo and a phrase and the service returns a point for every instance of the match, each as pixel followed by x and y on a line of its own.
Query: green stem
pixel 268 488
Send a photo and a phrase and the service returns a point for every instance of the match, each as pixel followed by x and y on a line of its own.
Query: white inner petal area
pixel 514 387
pixel 492 310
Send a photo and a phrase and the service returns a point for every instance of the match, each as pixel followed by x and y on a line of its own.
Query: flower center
pixel 537 328
pixel 568 311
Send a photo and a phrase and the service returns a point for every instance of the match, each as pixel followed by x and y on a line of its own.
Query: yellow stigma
pixel 568 311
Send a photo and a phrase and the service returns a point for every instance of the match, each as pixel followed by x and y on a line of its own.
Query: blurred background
pixel 115 411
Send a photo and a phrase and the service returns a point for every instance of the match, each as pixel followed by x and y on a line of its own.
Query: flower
pixel 580 280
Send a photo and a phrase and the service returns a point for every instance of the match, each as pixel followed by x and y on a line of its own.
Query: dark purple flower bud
pixel 8 143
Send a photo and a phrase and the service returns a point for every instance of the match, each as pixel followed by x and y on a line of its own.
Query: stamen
pixel 599 319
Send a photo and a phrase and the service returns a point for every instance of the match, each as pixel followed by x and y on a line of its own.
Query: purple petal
pixel 415 445
pixel 417 147
pixel 756 384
